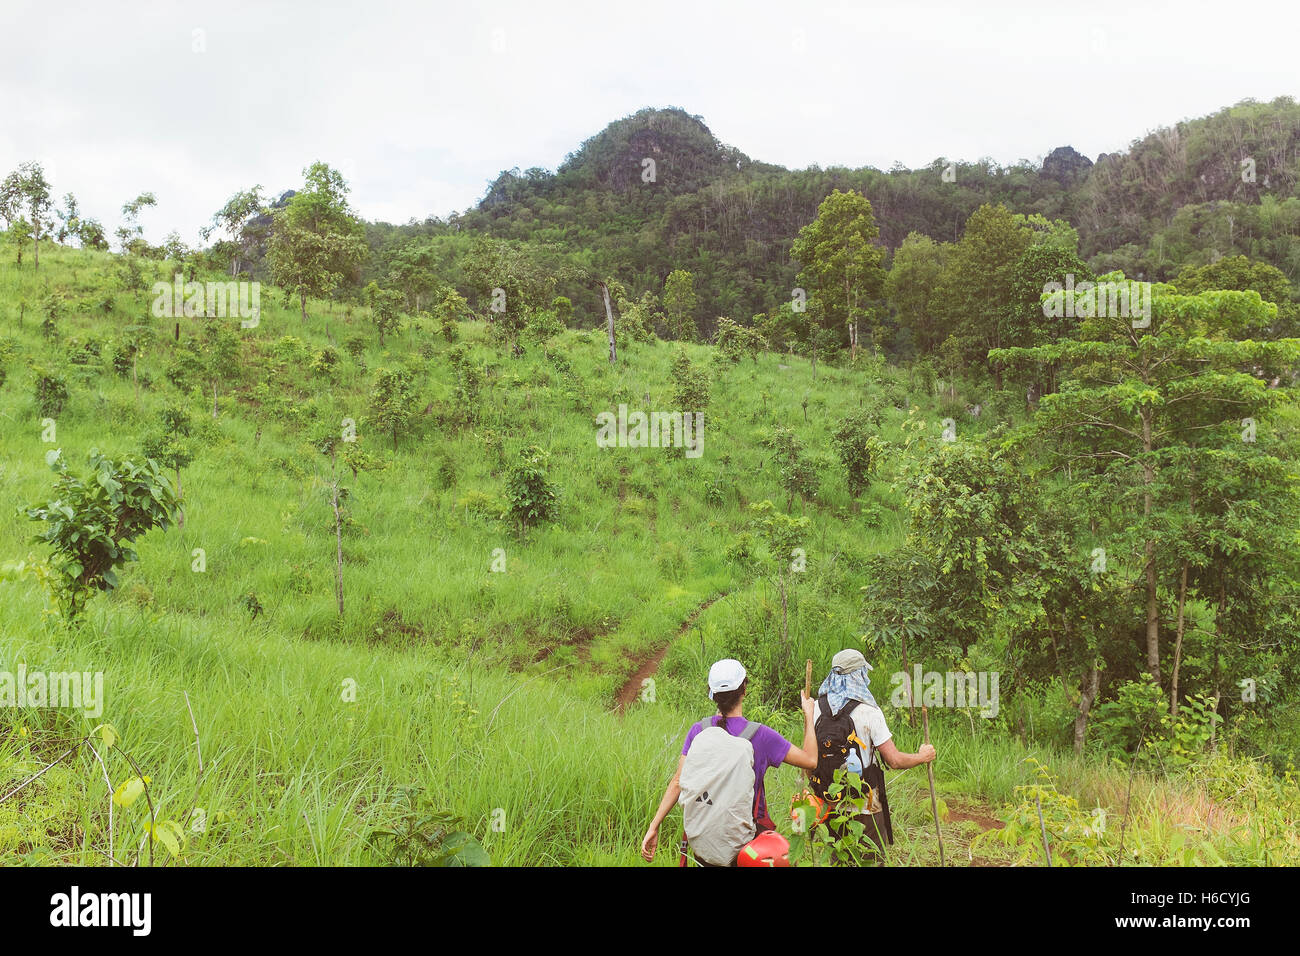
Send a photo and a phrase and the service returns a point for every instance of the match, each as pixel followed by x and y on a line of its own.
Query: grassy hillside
pixel 489 690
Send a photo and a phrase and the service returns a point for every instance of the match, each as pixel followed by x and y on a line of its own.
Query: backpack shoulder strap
pixel 849 707
pixel 825 704
pixel 751 728
pixel 871 743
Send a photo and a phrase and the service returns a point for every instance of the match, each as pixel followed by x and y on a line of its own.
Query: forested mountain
pixel 1183 195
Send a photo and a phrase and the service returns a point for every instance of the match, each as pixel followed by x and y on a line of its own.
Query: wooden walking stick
pixel 807 692
pixel 929 769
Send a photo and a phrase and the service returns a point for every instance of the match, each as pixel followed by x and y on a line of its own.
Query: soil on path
pixel 631 690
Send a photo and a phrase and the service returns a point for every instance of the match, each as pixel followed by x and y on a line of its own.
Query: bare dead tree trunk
pixel 609 315
pixel 1218 671
pixel 1182 618
pixel 1149 554
pixel 1178 642
pixel 338 540
pixel 907 666
pixel 1087 697
pixel 785 629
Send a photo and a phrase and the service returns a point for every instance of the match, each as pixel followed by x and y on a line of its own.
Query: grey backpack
pixel 717 797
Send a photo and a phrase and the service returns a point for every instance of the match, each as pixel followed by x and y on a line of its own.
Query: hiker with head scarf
pixel 851 732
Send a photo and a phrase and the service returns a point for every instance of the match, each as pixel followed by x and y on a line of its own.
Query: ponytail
pixel 726 700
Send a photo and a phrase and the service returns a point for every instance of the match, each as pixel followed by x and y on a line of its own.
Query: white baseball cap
pixel 725 675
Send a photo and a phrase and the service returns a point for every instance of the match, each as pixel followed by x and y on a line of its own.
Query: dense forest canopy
pixel 1192 193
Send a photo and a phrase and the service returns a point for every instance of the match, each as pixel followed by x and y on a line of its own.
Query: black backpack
pixel 836 738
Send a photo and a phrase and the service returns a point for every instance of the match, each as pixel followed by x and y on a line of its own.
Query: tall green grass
pixel 488 691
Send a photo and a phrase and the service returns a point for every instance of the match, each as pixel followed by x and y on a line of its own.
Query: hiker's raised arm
pixel 650 841
pixel 805 757
pixel 898 760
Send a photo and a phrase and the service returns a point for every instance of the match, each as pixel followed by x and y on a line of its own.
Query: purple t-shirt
pixel 770 749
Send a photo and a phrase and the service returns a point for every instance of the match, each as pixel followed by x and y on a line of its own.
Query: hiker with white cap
pixel 850 731
pixel 719 778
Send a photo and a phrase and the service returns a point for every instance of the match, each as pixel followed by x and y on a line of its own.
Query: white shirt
pixel 869 722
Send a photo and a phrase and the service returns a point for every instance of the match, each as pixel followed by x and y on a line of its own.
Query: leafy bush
pixel 417 834
pixel 50 391
pixel 741 549
pixel 690 384
pixel 325 363
pixel 480 504
pixel 1074 836
pixel 531 496
pixel 91 524
pixel 444 472
pixel 859 450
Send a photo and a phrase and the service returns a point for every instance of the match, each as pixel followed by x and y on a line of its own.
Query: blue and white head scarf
pixel 840 688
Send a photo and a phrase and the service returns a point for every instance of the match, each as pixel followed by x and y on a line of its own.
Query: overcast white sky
pixel 422 104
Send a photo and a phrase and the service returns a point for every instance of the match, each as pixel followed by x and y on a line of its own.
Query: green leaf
pixel 169 834
pixel 463 850
pixel 108 734
pixel 128 792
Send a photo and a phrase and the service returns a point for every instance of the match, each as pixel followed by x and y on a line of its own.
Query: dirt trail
pixel 958 813
pixel 631 690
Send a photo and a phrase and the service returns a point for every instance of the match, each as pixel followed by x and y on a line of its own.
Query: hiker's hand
pixel 649 843
pixel 809 706
pixel 926 753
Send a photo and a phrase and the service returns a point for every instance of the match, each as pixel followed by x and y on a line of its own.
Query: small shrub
pixel 50 391
pixel 531 496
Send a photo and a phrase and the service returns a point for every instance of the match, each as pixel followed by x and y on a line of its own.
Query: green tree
pixel 510 283
pixel 392 401
pixel 412 271
pixel 385 308
pixel 690 384
pixel 173 446
pixel 69 219
pixel 1142 406
pixel 841 261
pixel 131 233
pixel 18 235
pixel 912 289
pixel 221 357
pixel 470 376
pixel 25 194
pixel 451 309
pixel 784 537
pixel 531 495
pixel 316 242
pixel 91 524
pixel 976 285
pixel 680 303
pixel 51 392
pixel 859 450
pixel 1028 320
pixel 1238 273
pixel 238 218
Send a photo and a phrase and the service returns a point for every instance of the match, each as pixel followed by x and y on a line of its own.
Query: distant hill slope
pixel 657 191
